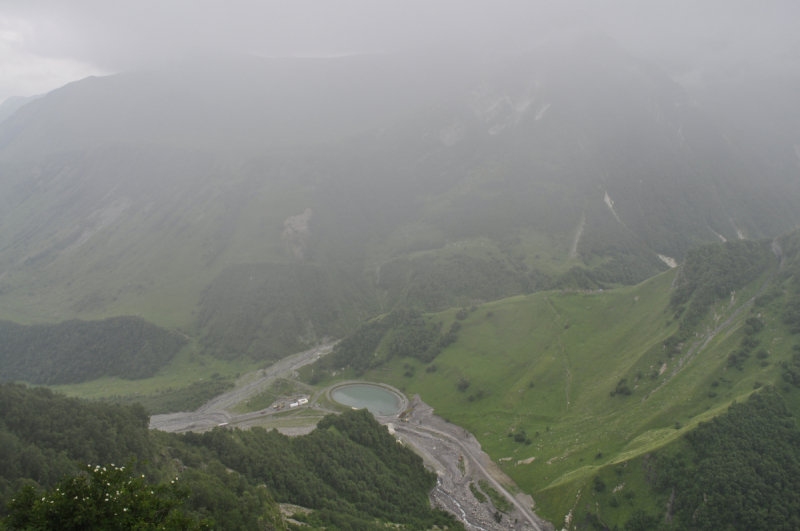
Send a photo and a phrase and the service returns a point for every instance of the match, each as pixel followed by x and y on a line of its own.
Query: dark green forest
pixel 711 273
pixel 77 351
pixel 350 470
pixel 407 332
pixel 740 471
pixel 349 465
pixel 44 435
pixel 790 274
pixel 434 284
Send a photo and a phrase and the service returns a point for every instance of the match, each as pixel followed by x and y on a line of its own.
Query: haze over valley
pixel 568 249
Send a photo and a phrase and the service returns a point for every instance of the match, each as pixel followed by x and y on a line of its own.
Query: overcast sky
pixel 45 44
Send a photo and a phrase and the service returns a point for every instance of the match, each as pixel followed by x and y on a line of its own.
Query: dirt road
pixel 217 410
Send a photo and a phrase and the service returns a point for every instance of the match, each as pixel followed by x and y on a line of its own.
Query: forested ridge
pixel 349 465
pixel 710 273
pixel 740 471
pixel 77 351
pixel 790 274
pixel 43 435
pixel 350 470
pixel 406 333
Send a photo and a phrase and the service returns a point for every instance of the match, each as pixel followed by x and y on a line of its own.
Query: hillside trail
pixel 698 345
pixel 564 355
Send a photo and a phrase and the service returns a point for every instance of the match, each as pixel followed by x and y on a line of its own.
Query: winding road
pixel 217 410
pixel 441 444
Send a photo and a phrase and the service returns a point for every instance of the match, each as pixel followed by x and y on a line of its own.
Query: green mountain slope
pixel 350 472
pixel 369 182
pixel 561 386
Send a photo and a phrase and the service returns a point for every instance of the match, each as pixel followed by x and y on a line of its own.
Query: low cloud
pixel 48 41
pixel 26 72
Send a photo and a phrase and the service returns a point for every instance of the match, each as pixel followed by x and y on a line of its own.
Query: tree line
pixel 711 273
pixel 77 351
pixel 741 470
pixel 407 332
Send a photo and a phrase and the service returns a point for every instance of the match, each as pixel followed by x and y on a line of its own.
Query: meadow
pixel 532 377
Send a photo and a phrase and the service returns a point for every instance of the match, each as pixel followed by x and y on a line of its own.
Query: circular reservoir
pixel 377 400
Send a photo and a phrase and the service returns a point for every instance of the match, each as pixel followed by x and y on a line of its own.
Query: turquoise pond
pixel 376 399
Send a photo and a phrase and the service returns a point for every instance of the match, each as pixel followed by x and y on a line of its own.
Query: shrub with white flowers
pixel 101 498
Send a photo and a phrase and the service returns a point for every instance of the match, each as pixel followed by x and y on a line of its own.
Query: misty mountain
pixel 224 102
pixel 369 182
pixel 10 105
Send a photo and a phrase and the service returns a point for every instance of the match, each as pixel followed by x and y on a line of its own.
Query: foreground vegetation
pixel 737 471
pixel 100 498
pixel 350 471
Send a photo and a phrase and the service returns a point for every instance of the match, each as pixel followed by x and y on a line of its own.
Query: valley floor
pixel 218 410
pixel 453 452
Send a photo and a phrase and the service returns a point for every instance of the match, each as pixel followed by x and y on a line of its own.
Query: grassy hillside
pixel 585 381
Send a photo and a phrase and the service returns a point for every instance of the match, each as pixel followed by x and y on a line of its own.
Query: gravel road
pixel 217 410
pixel 441 444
